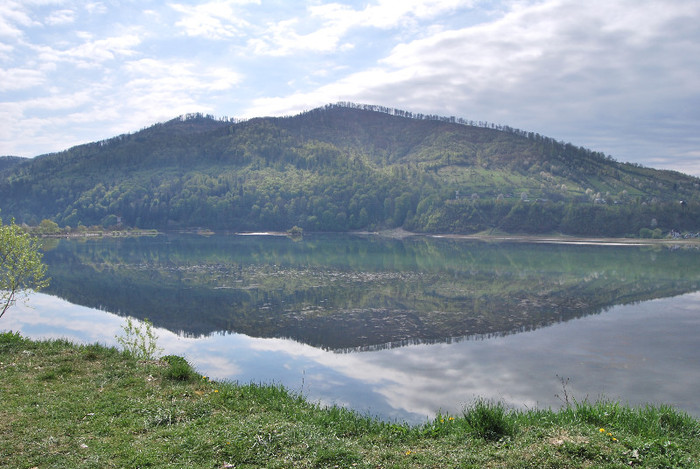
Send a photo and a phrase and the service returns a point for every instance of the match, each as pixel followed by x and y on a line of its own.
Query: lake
pixel 396 328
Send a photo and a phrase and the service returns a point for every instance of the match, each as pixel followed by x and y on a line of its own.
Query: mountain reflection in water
pixel 351 293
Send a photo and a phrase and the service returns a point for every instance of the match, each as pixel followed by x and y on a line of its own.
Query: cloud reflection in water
pixel 639 353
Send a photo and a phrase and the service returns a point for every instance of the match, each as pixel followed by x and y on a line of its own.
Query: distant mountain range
pixel 346 167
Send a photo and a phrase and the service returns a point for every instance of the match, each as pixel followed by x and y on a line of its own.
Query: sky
pixel 620 77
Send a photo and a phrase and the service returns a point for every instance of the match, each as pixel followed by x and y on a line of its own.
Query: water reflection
pixel 438 322
pixel 640 353
pixel 348 293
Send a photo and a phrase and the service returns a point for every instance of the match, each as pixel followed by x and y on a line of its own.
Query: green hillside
pixel 347 167
pixel 7 162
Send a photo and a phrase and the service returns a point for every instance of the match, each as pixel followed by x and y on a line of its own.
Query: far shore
pixel 400 233
pixel 562 239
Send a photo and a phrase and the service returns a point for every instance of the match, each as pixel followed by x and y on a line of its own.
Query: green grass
pixel 65 405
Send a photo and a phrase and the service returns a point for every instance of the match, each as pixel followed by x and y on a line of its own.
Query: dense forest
pixel 346 167
pixel 9 161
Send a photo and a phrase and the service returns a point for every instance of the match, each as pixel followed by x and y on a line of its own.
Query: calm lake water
pixel 399 329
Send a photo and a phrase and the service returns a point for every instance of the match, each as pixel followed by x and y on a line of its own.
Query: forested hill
pixel 9 161
pixel 347 167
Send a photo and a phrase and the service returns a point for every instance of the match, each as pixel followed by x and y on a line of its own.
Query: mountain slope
pixel 7 162
pixel 347 167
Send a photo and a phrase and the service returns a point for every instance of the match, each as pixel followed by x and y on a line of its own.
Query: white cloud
pixel 96 8
pixel 60 17
pixel 5 50
pixel 109 101
pixel 166 76
pixel 385 13
pixel 20 78
pixel 218 19
pixel 281 39
pixel 90 53
pixel 13 17
pixel 352 88
pixel 336 20
pixel 158 90
pixel 52 123
pixel 59 101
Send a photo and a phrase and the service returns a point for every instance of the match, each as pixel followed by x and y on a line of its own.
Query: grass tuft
pixel 178 369
pixel 489 420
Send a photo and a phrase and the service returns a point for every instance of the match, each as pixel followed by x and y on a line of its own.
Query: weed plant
pixel 66 405
pixel 139 339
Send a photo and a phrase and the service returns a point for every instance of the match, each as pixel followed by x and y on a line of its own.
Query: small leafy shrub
pixel 489 420
pixel 139 340
pixel 178 369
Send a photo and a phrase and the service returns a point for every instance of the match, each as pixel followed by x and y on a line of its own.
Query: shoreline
pixel 75 405
pixel 400 233
pixel 575 240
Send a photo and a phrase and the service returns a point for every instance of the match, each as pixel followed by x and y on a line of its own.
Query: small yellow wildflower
pixel 602 430
pixel 451 418
pixel 408 452
pixel 216 390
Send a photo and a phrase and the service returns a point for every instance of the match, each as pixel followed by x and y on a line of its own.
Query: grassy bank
pixel 65 405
